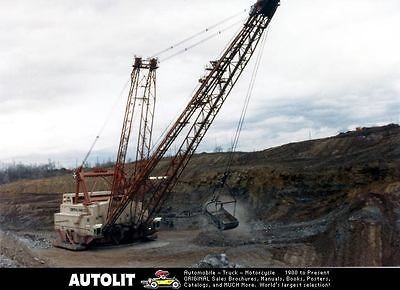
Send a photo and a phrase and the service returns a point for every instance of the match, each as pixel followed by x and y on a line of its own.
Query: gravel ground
pixel 6 262
pixel 14 252
pixel 37 240
pixel 217 261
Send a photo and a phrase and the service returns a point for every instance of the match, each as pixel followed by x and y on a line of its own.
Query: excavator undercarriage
pixel 79 225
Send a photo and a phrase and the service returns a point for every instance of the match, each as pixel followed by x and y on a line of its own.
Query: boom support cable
pixel 201 41
pixel 199 114
pixel 162 135
pixel 105 123
pixel 208 29
pixel 156 55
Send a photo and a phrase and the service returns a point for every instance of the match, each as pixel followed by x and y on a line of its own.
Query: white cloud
pixel 328 65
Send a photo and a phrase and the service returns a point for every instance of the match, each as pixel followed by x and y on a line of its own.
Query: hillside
pixel 332 201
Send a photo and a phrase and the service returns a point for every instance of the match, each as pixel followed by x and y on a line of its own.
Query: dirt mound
pixel 15 253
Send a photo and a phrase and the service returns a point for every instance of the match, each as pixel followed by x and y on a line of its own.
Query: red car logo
pixel 161 281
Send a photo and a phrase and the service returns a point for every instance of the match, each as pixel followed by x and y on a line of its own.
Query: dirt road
pixel 171 249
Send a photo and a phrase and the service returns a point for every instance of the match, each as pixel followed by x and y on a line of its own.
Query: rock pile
pixel 217 261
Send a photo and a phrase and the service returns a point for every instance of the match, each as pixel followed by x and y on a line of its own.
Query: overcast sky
pixel 328 66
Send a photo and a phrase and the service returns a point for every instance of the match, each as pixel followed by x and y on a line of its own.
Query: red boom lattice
pixel 199 114
pixel 142 93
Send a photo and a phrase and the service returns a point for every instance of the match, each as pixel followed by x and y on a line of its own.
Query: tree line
pixel 15 171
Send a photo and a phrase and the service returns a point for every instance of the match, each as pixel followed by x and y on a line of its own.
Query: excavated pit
pixel 328 202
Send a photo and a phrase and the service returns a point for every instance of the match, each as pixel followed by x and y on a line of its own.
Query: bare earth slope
pixel 327 202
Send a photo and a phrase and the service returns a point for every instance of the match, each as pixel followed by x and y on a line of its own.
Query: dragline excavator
pixel 129 210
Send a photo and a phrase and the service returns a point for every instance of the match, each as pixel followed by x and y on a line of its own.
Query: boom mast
pixel 199 115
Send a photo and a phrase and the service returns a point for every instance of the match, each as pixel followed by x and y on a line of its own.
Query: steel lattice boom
pixel 194 121
pixel 142 93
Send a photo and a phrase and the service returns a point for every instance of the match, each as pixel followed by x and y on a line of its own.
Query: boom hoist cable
pixel 149 194
pixel 145 126
pixel 157 55
pixel 162 135
pixel 194 36
pixel 201 41
pixel 193 123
